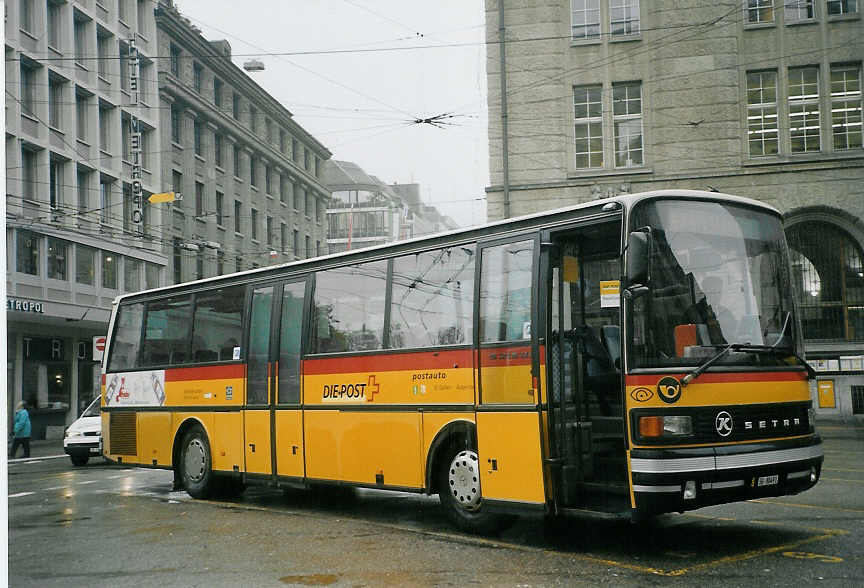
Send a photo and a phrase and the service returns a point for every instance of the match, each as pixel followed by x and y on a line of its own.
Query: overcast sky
pixel 359 102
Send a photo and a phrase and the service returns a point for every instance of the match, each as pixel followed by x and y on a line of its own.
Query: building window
pixel 58 259
pixel 235 106
pixel 308 251
pixel 105 127
pixel 217 149
pixel 828 280
pixel 298 196
pixel 841 7
pixel 588 131
pixel 284 188
pixel 268 126
pixel 627 119
pixel 81 44
pixel 151 275
pixel 236 161
pixel 283 236
pixel 762 125
pixel 55 184
pixel 81 116
pixel 196 136
pixel 197 76
pixel 103 51
pixel 28 174
pixel 109 270
pixel 176 135
pixel 283 141
pixel 295 150
pixel 624 17
pixel 199 199
pixel 143 6
pixel 238 209
pixel 846 107
pixel 253 180
pixel 123 60
pixel 220 263
pixel 804 123
pixel 760 11
pixel 253 224
pixel 131 274
pixel 125 131
pixel 307 165
pixel 126 200
pixel 25 15
pixel 267 180
pixel 217 92
pixel 296 243
pixel 798 10
pixel 220 208
pixel 269 230
pixel 177 182
pixel 105 201
pixel 585 19
pixel 56 91
pixel 175 60
pixel 857 399
pixel 55 25
pixel 199 265
pixel 309 206
pixel 177 256
pixel 85 265
pixel 83 191
pixel 28 89
pixel 27 254
pixel 253 118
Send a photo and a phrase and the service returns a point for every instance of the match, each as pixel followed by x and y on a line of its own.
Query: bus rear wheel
pixel 459 493
pixel 195 464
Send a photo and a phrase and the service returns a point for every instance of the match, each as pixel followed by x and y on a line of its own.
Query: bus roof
pixel 627 202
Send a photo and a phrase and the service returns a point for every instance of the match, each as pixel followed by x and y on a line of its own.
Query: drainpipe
pixel 505 146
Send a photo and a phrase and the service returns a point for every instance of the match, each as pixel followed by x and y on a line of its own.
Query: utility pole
pixel 505 144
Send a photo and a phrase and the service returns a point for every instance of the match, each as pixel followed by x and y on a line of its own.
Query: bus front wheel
pixel 459 492
pixel 196 463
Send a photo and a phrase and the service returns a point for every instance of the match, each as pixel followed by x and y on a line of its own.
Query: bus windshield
pixel 718 278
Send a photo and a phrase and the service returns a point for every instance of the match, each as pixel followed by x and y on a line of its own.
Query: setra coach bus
pixel 634 355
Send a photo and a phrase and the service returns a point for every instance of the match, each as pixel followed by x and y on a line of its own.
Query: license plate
pixel 96 450
pixel 768 480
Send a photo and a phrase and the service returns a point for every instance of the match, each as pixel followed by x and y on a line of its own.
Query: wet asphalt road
pixel 110 525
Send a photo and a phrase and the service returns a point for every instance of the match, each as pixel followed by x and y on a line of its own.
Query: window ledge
pixel 600 173
pixel 254 187
pixel 200 158
pixel 583 42
pixel 806 21
pixel 177 145
pixel 626 38
pixel 28 33
pixel 29 116
pixel 221 228
pixel 198 219
pixel 56 130
pixel 219 168
pixel 752 26
pixel 124 23
pixel 238 234
pixel 106 153
pixel 54 49
pixel 797 158
pixel 237 178
pixel 82 141
pixel 103 79
pixel 842 17
pixel 80 65
pixel 270 196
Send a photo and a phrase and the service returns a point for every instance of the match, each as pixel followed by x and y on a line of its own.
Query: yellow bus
pixel 634 355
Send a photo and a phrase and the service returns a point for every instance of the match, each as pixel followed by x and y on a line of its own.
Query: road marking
pixel 21 494
pixel 842 470
pixel 815 556
pixel 841 480
pixel 87 482
pixel 34 459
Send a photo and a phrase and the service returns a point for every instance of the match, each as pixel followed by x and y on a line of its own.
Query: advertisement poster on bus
pixel 145 388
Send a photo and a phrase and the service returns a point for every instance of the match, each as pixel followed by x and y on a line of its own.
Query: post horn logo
pixel 669 390
pixel 642 394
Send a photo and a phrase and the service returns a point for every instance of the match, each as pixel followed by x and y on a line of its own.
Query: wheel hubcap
pixel 195 460
pixel 463 479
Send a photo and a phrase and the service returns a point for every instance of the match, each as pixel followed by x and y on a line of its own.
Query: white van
pixel 83 438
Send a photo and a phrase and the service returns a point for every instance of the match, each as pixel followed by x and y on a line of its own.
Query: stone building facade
pixel 249 175
pixel 760 99
pixel 71 244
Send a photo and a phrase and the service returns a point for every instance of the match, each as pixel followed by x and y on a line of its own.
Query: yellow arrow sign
pixel 163 197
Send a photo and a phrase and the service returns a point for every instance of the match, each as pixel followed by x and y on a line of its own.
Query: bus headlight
pixel 665 426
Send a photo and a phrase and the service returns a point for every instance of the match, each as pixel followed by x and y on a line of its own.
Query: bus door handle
pixel 252 447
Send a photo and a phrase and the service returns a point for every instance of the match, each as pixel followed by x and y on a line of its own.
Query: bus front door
pixel 508 417
pixel 586 423
pixel 273 411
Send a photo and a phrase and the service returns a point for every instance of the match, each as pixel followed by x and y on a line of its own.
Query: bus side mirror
pixel 638 254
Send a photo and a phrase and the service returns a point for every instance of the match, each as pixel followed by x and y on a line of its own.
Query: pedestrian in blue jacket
pixel 21 431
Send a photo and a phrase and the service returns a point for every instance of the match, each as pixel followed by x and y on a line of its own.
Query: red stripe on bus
pixel 420 360
pixel 721 378
pixel 213 372
pixel 505 356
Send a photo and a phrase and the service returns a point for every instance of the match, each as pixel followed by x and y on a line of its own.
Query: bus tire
pixel 196 463
pixel 459 492
pixel 79 460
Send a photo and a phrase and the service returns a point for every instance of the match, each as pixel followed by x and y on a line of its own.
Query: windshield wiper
pixel 811 373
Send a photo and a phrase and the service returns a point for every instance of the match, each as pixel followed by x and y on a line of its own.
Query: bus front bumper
pixel 672 480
